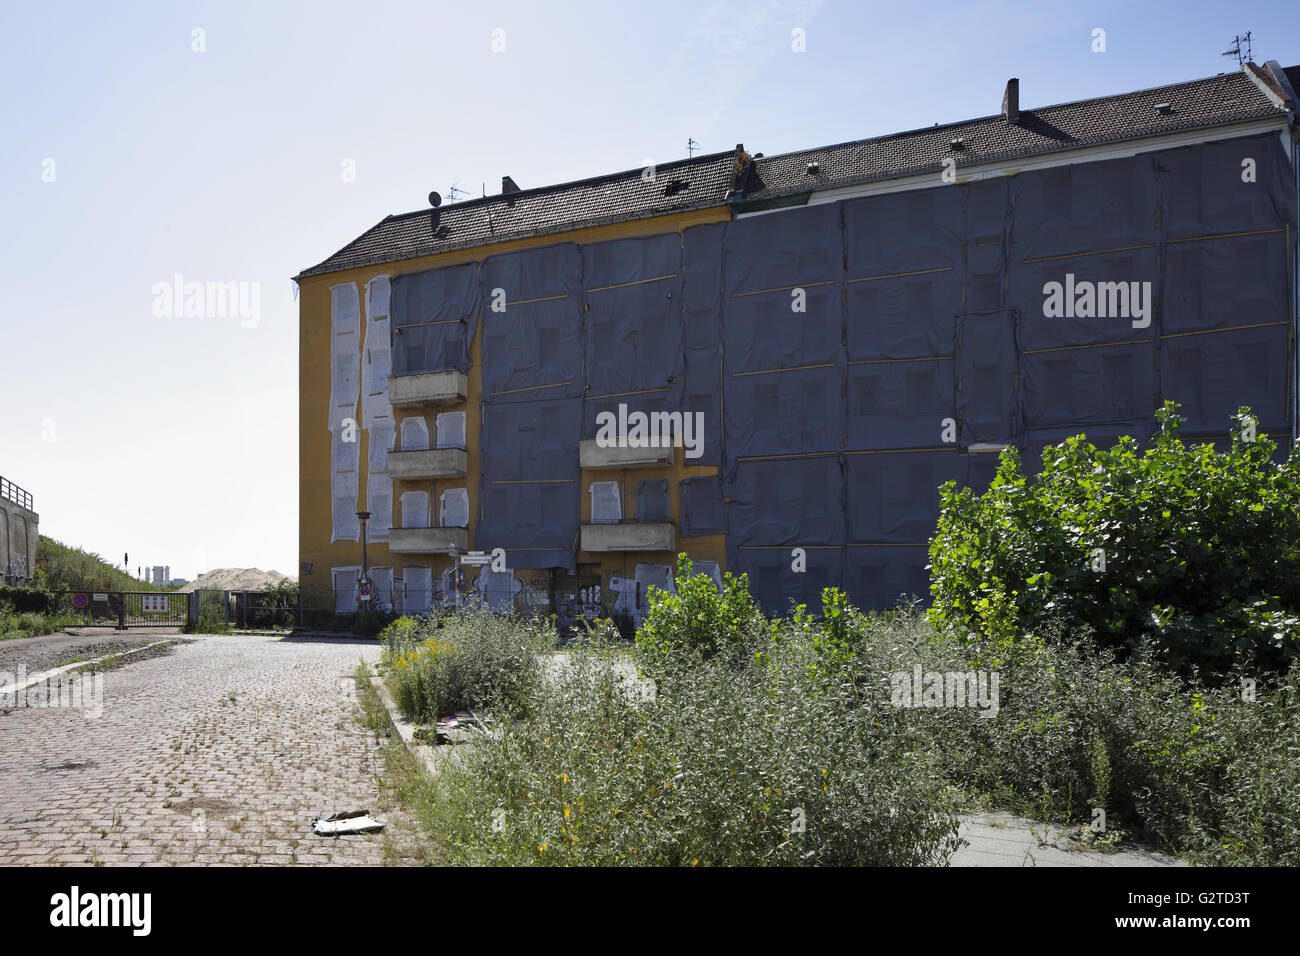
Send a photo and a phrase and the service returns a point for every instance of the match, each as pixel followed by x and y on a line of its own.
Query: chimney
pixel 1011 101
pixel 508 185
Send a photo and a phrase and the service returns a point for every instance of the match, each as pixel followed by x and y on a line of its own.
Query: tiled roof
pixel 1200 104
pixel 676 187
pixel 712 180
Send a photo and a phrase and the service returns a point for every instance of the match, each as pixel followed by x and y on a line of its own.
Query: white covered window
pixel 451 430
pixel 606 507
pixel 345 588
pixel 417 589
pixel 415 509
pixel 454 504
pixel 415 433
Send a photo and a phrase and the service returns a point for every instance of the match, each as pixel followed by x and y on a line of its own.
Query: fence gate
pixel 124 609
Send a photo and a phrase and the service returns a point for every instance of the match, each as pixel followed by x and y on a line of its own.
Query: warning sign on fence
pixel 154 602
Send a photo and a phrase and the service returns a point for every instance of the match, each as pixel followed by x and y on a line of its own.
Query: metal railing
pixel 12 492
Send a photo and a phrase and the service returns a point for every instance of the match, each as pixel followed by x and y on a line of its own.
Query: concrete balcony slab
pixel 427 463
pixel 427 540
pixel 592 455
pixel 629 536
pixel 446 387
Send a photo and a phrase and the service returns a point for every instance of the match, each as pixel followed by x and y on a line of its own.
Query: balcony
pixel 629 536
pixel 592 455
pixel 447 387
pixel 427 463
pixel 427 540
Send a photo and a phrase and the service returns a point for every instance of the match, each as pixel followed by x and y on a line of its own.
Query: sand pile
pixel 234 579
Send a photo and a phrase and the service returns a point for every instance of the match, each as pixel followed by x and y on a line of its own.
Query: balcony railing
pixel 11 492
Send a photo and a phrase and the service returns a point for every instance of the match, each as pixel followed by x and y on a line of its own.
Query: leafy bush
pixel 471 658
pixel 277 605
pixel 402 628
pixel 698 621
pixel 35 600
pixel 1192 550
pixel 367 623
pixel 15 622
pixel 211 620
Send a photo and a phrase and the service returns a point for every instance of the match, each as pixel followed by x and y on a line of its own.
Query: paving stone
pixel 187 773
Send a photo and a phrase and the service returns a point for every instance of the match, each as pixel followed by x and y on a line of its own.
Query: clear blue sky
pixel 175 439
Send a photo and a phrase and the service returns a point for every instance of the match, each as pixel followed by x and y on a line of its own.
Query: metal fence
pixel 11 492
pixel 124 609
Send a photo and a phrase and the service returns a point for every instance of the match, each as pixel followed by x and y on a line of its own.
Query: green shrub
pixel 211 620
pixel 25 623
pixel 1192 550
pixel 698 621
pixel 459 660
pixel 278 605
pixel 402 628
pixel 369 623
pixel 34 599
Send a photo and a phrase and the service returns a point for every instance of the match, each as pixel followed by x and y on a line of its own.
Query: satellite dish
pixel 434 199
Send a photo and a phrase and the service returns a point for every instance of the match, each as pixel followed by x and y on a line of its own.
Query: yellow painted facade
pixel 317 555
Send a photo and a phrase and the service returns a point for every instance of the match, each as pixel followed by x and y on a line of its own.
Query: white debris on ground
pixel 352 821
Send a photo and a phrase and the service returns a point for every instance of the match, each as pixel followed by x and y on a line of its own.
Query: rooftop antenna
pixel 1236 50
pixel 452 192
pixel 691 147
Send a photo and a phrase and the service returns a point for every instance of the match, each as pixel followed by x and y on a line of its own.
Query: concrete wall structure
pixel 19 538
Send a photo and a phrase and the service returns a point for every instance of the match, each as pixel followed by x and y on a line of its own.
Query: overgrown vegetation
pixel 212 615
pixel 1192 551
pixel 1114 645
pixel 794 747
pixel 15 623
pixel 451 662
pixel 63 568
pixel 276 605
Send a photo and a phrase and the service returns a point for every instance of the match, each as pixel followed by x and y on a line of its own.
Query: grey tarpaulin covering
pixel 652 502
pixel 893 496
pixel 435 314
pixel 783 332
pixel 634 316
pixel 703 509
pixel 944 293
pixel 532 325
pixel 529 489
pixel 702 307
pixel 787 502
pixel 829 345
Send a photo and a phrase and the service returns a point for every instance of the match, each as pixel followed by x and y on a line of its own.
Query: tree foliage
pixel 1191 551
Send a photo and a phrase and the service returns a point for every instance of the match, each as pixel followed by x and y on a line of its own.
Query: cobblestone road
pixel 219 753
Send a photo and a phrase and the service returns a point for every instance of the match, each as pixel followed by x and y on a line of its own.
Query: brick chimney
pixel 1011 101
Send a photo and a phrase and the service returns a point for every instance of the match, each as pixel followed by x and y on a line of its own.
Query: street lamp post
pixel 365 566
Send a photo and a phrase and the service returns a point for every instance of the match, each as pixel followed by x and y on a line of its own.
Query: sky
pixel 234 142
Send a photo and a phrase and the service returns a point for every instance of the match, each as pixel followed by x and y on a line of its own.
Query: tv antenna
pixel 1236 50
pixel 452 192
pixel 691 147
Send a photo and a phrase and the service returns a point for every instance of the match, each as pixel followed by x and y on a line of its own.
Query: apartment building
pixel 772 363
